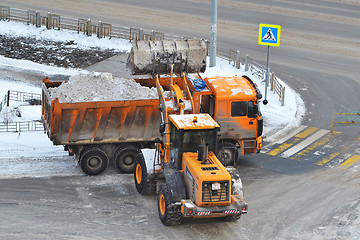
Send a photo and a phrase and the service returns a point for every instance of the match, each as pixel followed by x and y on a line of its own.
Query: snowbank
pixel 14 29
pixel 100 87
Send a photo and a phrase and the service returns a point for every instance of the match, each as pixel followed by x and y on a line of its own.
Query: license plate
pixel 215 186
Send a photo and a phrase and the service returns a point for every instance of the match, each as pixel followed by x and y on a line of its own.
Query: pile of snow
pixel 15 29
pixel 25 65
pixel 88 87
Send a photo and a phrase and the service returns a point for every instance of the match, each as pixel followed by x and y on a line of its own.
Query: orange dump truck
pixel 101 130
pixel 233 102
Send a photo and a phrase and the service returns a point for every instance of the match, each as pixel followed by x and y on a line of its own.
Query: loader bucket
pixel 155 57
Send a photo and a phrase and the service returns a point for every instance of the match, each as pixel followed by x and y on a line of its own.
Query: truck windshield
pixel 193 138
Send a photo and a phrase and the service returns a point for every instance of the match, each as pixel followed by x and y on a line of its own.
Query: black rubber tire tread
pixel 120 155
pixel 172 215
pixel 232 218
pixel 87 155
pixel 227 162
pixel 146 187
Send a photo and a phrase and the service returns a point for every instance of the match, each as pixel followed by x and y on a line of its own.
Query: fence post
pixel 88 29
pixel 246 62
pixel 99 30
pixel 8 99
pixel 152 37
pixel 238 63
pixel 141 34
pixel 283 96
pixel 38 23
pixel 49 21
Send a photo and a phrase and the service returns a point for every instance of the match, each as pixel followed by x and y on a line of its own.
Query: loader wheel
pixel 125 159
pixel 93 161
pixel 228 154
pixel 232 218
pixel 169 215
pixel 236 183
pixel 142 183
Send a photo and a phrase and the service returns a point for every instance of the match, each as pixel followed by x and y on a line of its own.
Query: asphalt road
pixel 318 57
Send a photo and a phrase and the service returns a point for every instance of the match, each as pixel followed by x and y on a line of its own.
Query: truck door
pixel 243 119
pixel 222 117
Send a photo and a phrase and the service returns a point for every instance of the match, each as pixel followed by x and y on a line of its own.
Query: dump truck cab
pixel 234 103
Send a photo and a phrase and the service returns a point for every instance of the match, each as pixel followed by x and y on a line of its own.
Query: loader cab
pixel 188 132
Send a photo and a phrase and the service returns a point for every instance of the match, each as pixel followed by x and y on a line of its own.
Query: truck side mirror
pixel 162 127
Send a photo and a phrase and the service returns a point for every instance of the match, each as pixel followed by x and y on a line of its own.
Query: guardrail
pixel 22 126
pixel 32 98
pixel 344 118
pixel 80 25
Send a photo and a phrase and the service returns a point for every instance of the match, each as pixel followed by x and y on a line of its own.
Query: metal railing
pixel 345 118
pixel 22 126
pixel 80 25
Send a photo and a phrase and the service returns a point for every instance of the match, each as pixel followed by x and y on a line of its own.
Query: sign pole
pixel 267 75
pixel 268 35
pixel 213 34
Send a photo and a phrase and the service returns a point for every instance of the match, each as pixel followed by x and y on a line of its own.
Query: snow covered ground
pixel 31 154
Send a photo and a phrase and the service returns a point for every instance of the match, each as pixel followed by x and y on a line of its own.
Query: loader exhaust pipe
pixel 203 151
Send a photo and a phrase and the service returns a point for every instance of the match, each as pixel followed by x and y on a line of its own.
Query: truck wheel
pixel 169 215
pixel 142 183
pixel 94 161
pixel 125 159
pixel 228 154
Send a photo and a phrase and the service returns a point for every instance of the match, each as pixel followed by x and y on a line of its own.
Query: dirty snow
pixel 88 87
pixel 15 29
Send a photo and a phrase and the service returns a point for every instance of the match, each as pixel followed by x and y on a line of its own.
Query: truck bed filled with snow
pixel 89 87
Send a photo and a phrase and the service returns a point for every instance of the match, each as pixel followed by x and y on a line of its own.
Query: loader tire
pixel 228 154
pixel 142 182
pixel 93 161
pixel 232 218
pixel 125 159
pixel 169 215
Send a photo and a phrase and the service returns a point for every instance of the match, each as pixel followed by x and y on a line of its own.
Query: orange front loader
pixel 190 179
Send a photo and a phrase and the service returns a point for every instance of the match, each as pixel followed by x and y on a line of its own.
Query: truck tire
pixel 228 154
pixel 125 159
pixel 93 161
pixel 169 215
pixel 142 183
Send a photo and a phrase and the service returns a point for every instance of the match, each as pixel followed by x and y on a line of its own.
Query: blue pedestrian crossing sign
pixel 269 35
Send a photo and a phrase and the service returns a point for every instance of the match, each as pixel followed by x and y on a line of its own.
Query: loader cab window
pixel 194 138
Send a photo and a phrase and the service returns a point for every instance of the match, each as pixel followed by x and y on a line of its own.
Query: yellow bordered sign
pixel 269 34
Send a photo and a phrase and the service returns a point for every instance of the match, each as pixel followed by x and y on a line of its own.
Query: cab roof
pixel 193 121
pixel 234 87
